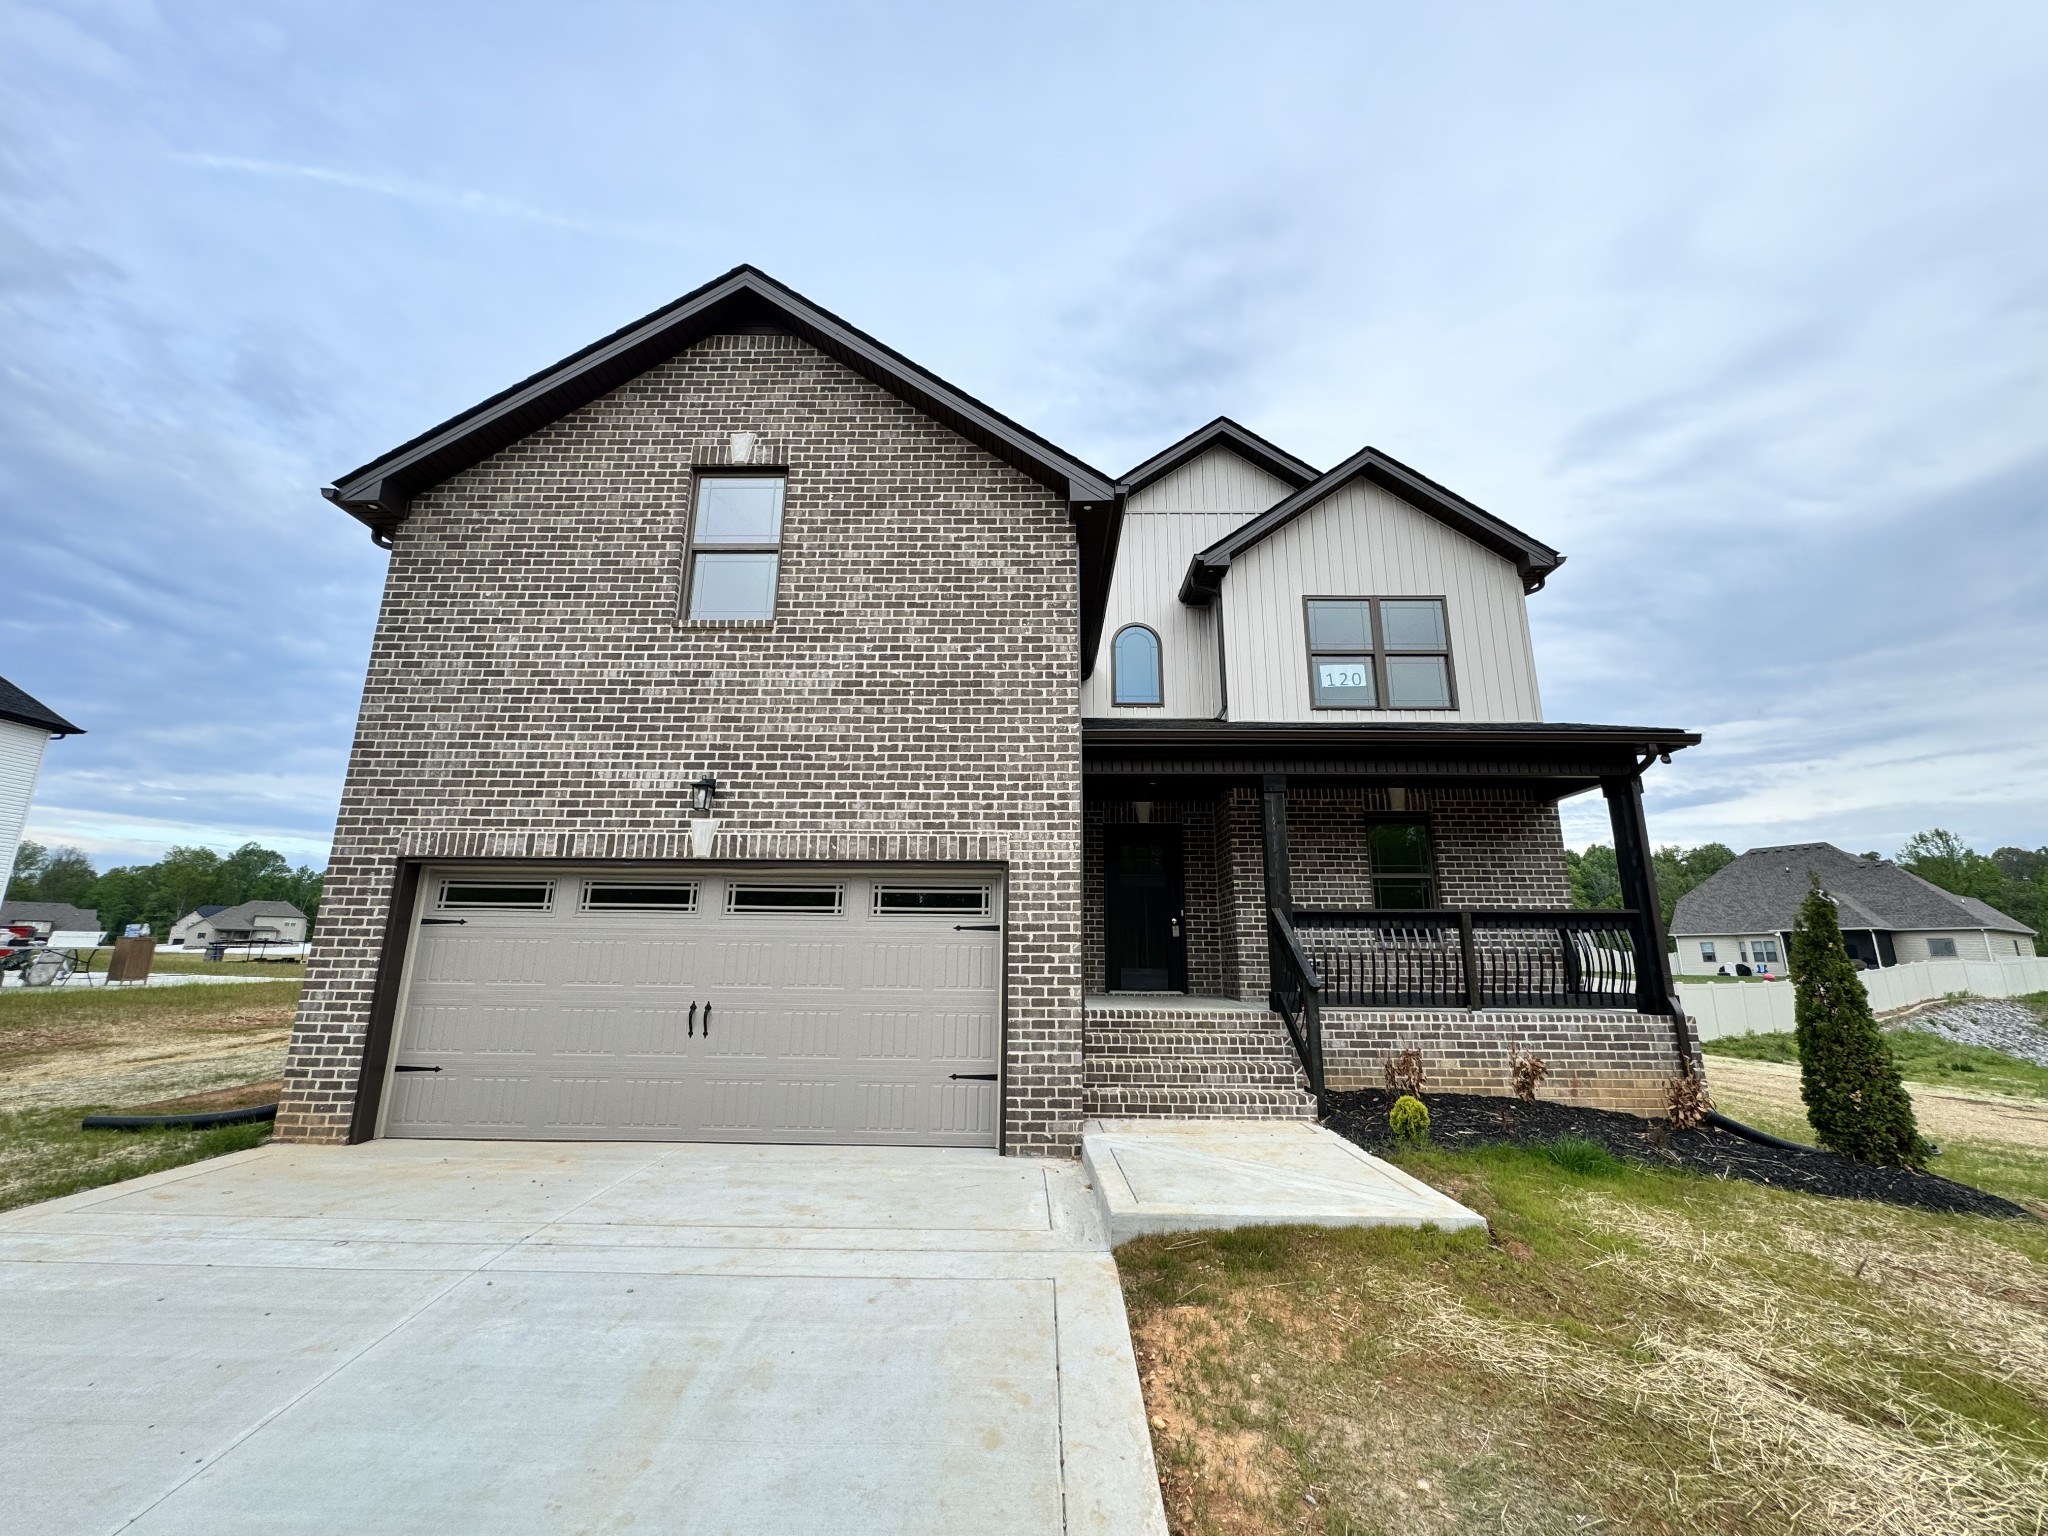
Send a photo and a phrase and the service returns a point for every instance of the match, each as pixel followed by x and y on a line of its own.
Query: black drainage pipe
pixel 194 1122
pixel 1751 1133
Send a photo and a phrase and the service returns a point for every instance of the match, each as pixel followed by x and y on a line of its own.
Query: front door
pixel 1146 942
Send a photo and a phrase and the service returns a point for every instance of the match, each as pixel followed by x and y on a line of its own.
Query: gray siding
pixel 1364 542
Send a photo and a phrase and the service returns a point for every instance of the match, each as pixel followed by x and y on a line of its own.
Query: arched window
pixel 1135 662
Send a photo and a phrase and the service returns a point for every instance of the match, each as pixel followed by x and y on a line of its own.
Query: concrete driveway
pixel 549 1337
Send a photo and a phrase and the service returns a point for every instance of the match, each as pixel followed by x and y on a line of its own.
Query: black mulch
pixel 1470 1120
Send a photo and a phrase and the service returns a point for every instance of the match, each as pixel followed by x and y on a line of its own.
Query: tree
pixel 1941 858
pixel 51 874
pixel 1854 1098
pixel 1595 878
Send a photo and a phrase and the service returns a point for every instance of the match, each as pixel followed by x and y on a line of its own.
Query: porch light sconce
pixel 703 826
pixel 702 793
pixel 1142 809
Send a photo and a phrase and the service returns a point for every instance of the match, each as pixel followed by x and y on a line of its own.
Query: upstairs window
pixel 1134 666
pixel 1403 873
pixel 735 547
pixel 1379 653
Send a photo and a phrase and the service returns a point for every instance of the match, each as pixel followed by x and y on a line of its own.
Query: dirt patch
pixel 1945 1114
pixel 1470 1120
pixel 248 1096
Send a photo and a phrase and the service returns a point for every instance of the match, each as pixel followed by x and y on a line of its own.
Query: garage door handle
pixel 693 1020
pixel 707 1021
pixel 974 1077
pixel 425 920
pixel 977 927
pixel 415 1069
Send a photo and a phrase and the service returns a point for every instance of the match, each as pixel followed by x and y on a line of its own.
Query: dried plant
pixel 1404 1073
pixel 1687 1098
pixel 1525 1072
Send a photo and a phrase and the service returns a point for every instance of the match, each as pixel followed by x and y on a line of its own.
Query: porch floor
pixel 1201 1175
pixel 1174 1002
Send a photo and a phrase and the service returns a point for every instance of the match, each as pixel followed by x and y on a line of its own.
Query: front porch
pixel 1266 921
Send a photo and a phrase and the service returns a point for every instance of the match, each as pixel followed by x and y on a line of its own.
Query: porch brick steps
pixel 1173 1063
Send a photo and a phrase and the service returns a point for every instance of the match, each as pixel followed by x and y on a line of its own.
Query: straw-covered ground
pixel 66 1054
pixel 1628 1349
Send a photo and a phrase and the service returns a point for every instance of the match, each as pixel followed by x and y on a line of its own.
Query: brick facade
pixel 1190 1063
pixel 532 692
pixel 1493 848
pixel 1599 1058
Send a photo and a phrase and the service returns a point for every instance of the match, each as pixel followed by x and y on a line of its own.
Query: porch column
pixel 1279 872
pixel 1639 890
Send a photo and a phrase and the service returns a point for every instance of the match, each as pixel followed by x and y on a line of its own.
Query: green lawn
pixel 1922 1058
pixel 1628 1350
pixel 43 1153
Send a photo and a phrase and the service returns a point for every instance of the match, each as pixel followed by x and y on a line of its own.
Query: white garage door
pixel 729 1004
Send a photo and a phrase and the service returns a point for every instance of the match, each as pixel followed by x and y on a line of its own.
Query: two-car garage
pixel 719 1003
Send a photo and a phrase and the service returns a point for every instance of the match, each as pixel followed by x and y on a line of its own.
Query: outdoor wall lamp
pixel 702 793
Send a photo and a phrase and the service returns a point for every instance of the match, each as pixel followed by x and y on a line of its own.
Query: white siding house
pixel 26 727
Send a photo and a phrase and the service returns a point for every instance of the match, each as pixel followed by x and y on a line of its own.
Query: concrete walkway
pixel 539 1337
pixel 1201 1175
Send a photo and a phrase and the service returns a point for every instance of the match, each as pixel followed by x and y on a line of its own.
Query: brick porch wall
pixel 1212 942
pixel 532 694
pixel 1598 1058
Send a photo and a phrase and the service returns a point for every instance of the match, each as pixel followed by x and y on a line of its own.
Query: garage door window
pixel 499 895
pixel 951 899
pixel 783 898
pixel 639 898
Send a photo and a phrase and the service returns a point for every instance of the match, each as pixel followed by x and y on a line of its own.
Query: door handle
pixel 1176 927
pixel 707 1021
pixel 693 1020
pixel 974 1077
pixel 415 1069
pixel 456 920
pixel 977 927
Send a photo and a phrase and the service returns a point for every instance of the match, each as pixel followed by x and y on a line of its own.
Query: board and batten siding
pixel 21 760
pixel 1165 526
pixel 1363 542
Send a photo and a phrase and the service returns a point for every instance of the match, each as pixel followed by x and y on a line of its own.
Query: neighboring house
pixel 48 917
pixel 26 727
pixel 251 922
pixel 735 763
pixel 1743 914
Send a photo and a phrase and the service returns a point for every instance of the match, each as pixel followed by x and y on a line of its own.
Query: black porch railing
pixel 1473 959
pixel 1297 998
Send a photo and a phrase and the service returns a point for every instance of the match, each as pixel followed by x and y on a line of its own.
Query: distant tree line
pixel 159 894
pixel 2014 880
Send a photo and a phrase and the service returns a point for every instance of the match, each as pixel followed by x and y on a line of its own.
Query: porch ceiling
pixel 1556 760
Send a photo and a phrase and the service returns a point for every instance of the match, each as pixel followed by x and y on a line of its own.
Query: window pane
pixel 1137 666
pixel 1343 624
pixel 740 511
pixel 1412 624
pixel 639 898
pixel 1345 682
pixel 1401 893
pixel 504 896
pixel 733 587
pixel 782 898
pixel 1399 848
pixel 1418 682
pixel 943 898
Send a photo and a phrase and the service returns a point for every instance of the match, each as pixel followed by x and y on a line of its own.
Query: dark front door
pixel 1146 942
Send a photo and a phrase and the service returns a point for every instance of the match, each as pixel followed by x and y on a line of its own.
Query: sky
pixel 1743 307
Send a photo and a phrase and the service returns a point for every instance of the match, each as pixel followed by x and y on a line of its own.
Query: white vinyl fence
pixel 1736 1008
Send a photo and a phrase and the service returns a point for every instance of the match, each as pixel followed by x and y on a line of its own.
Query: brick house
pixel 765 740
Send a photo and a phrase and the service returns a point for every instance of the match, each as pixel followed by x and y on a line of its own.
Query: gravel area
pixel 1998 1025
pixel 1470 1120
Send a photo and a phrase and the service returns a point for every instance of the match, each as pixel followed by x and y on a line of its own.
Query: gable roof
pixel 244 913
pixel 60 915
pixel 20 708
pixel 1220 433
pixel 1533 558
pixel 380 492
pixel 1761 892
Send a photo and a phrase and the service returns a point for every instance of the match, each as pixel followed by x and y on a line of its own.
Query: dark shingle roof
pixel 1761 891
pixel 60 915
pixel 16 705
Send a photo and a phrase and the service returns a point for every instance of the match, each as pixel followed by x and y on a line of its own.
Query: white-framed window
pixel 1136 674
pixel 639 896
pixel 1941 949
pixel 481 895
pixel 785 900
pixel 1764 951
pixel 931 900
pixel 1707 951
pixel 735 547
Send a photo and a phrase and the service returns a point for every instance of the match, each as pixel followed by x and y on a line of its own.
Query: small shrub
pixel 1687 1099
pixel 1577 1154
pixel 1525 1072
pixel 1409 1119
pixel 1404 1074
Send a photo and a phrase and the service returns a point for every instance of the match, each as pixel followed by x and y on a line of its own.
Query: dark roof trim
pixel 1533 558
pixel 380 492
pixel 1644 739
pixel 24 710
pixel 1220 433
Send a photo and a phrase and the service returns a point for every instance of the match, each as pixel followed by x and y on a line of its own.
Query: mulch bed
pixel 1459 1120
